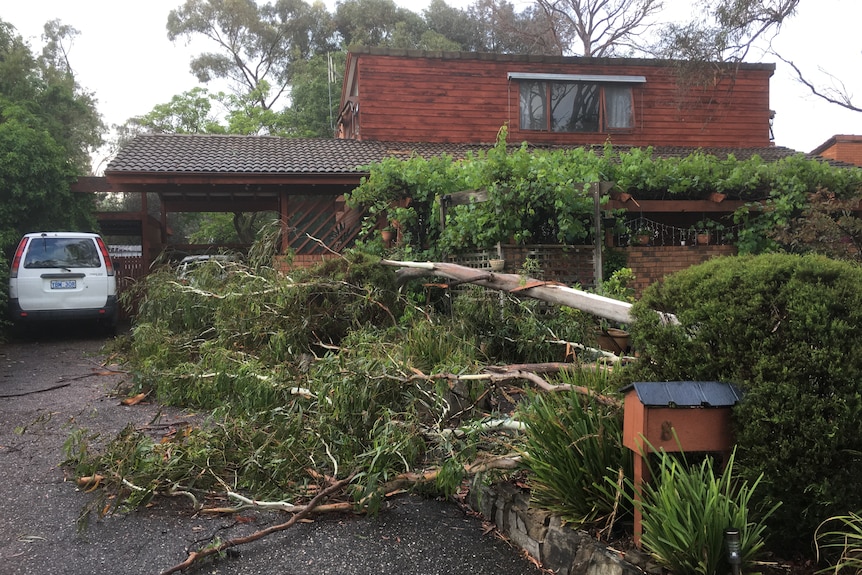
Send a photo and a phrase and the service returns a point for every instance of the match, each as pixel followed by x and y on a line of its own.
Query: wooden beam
pixel 675 206
pixel 466 197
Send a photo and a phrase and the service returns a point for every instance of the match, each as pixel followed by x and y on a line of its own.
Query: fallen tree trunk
pixel 552 292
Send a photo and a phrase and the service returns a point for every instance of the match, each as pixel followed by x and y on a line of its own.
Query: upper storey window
pixel 576 103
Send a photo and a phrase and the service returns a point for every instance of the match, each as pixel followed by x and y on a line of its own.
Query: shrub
pixel 4 294
pixel 686 511
pixel 784 328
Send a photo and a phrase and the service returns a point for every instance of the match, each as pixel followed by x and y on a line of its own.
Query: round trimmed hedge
pixel 788 330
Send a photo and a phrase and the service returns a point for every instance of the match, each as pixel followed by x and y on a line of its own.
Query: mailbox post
pixel 671 416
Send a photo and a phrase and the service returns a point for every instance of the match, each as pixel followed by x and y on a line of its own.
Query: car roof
pixel 61 234
pixel 204 258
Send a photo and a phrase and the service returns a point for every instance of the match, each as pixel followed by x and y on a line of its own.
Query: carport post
pixel 283 214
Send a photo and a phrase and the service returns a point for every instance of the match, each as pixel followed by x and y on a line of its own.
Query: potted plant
pixel 641 236
pixel 613 339
pixel 387 234
pixel 703 231
pixel 617 286
pixel 497 265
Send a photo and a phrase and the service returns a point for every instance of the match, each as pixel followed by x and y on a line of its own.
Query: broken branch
pixel 197 555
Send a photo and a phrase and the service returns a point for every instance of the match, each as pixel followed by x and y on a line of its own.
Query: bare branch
pixel 600 25
pixel 839 97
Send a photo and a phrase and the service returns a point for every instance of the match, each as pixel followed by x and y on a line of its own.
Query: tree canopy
pixel 48 126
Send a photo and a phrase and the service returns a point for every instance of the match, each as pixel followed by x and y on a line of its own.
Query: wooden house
pixel 398 103
pixel 413 96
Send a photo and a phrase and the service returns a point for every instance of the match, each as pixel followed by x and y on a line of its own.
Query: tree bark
pixel 552 292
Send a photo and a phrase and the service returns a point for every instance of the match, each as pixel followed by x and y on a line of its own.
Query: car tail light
pixel 16 261
pixel 109 266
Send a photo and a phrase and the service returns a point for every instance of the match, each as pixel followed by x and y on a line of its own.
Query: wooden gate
pixel 129 269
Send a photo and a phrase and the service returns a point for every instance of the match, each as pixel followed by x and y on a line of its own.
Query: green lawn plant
pixel 686 510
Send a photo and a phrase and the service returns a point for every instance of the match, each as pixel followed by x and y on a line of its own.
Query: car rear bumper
pixel 108 313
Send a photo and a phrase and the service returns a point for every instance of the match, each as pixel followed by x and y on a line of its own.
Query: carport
pixel 303 180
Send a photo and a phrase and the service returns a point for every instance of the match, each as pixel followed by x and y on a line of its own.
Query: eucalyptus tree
pixel 600 27
pixel 724 30
pixel 377 23
pixel 502 29
pixel 257 46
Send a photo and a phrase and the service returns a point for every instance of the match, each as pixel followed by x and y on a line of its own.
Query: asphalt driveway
pixel 51 384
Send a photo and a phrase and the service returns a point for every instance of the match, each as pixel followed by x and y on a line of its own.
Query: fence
pixel 129 270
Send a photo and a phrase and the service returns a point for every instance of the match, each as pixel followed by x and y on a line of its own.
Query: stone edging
pixel 542 535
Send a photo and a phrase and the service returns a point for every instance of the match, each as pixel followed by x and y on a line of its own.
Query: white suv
pixel 62 276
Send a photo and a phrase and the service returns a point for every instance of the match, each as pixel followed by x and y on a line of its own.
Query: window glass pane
pixel 533 113
pixel 618 107
pixel 574 107
pixel 48 253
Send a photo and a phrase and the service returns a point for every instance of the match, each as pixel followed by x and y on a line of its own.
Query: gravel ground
pixel 50 385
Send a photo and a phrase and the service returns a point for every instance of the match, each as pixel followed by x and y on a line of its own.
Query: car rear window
pixel 62 253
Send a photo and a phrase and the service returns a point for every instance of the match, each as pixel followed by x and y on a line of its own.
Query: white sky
pixel 123 55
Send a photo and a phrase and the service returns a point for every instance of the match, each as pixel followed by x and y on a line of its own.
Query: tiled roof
pixel 537 58
pixel 270 155
pixel 212 154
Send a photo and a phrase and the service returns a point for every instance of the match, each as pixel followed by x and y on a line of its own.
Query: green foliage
pixel 618 285
pixel 519 331
pixel 828 225
pixel 790 184
pixel 4 295
pixel 780 326
pixel 573 448
pixel 186 113
pixel 315 100
pixel 47 125
pixel 538 196
pixel 686 510
pixel 838 541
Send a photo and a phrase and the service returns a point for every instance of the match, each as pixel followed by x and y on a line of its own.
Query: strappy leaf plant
pixel 573 448
pixel 839 543
pixel 686 511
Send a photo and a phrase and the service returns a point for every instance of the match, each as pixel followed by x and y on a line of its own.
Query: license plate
pixel 64 284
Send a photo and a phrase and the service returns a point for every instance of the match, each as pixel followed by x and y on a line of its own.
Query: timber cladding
pixel 466 97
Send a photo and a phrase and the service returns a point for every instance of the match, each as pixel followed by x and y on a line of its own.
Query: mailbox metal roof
pixel 686 393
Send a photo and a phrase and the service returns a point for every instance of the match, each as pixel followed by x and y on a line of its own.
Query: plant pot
pixel 613 340
pixel 387 235
pixel 703 239
pixel 497 265
pixel 641 240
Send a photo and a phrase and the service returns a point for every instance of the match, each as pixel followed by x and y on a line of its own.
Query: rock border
pixel 556 546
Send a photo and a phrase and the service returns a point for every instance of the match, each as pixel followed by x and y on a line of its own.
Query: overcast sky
pixel 123 55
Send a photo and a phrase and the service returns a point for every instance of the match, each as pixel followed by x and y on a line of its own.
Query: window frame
pixel 545 83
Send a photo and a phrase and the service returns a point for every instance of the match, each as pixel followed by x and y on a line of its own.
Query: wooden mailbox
pixel 689 416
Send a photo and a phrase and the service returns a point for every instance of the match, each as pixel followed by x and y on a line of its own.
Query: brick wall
pixel 652 263
pixel 842 148
pixel 300 261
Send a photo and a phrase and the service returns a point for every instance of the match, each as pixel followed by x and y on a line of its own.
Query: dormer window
pixel 576 102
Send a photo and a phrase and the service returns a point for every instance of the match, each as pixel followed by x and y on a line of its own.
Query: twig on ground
pixel 23 393
pixel 197 555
